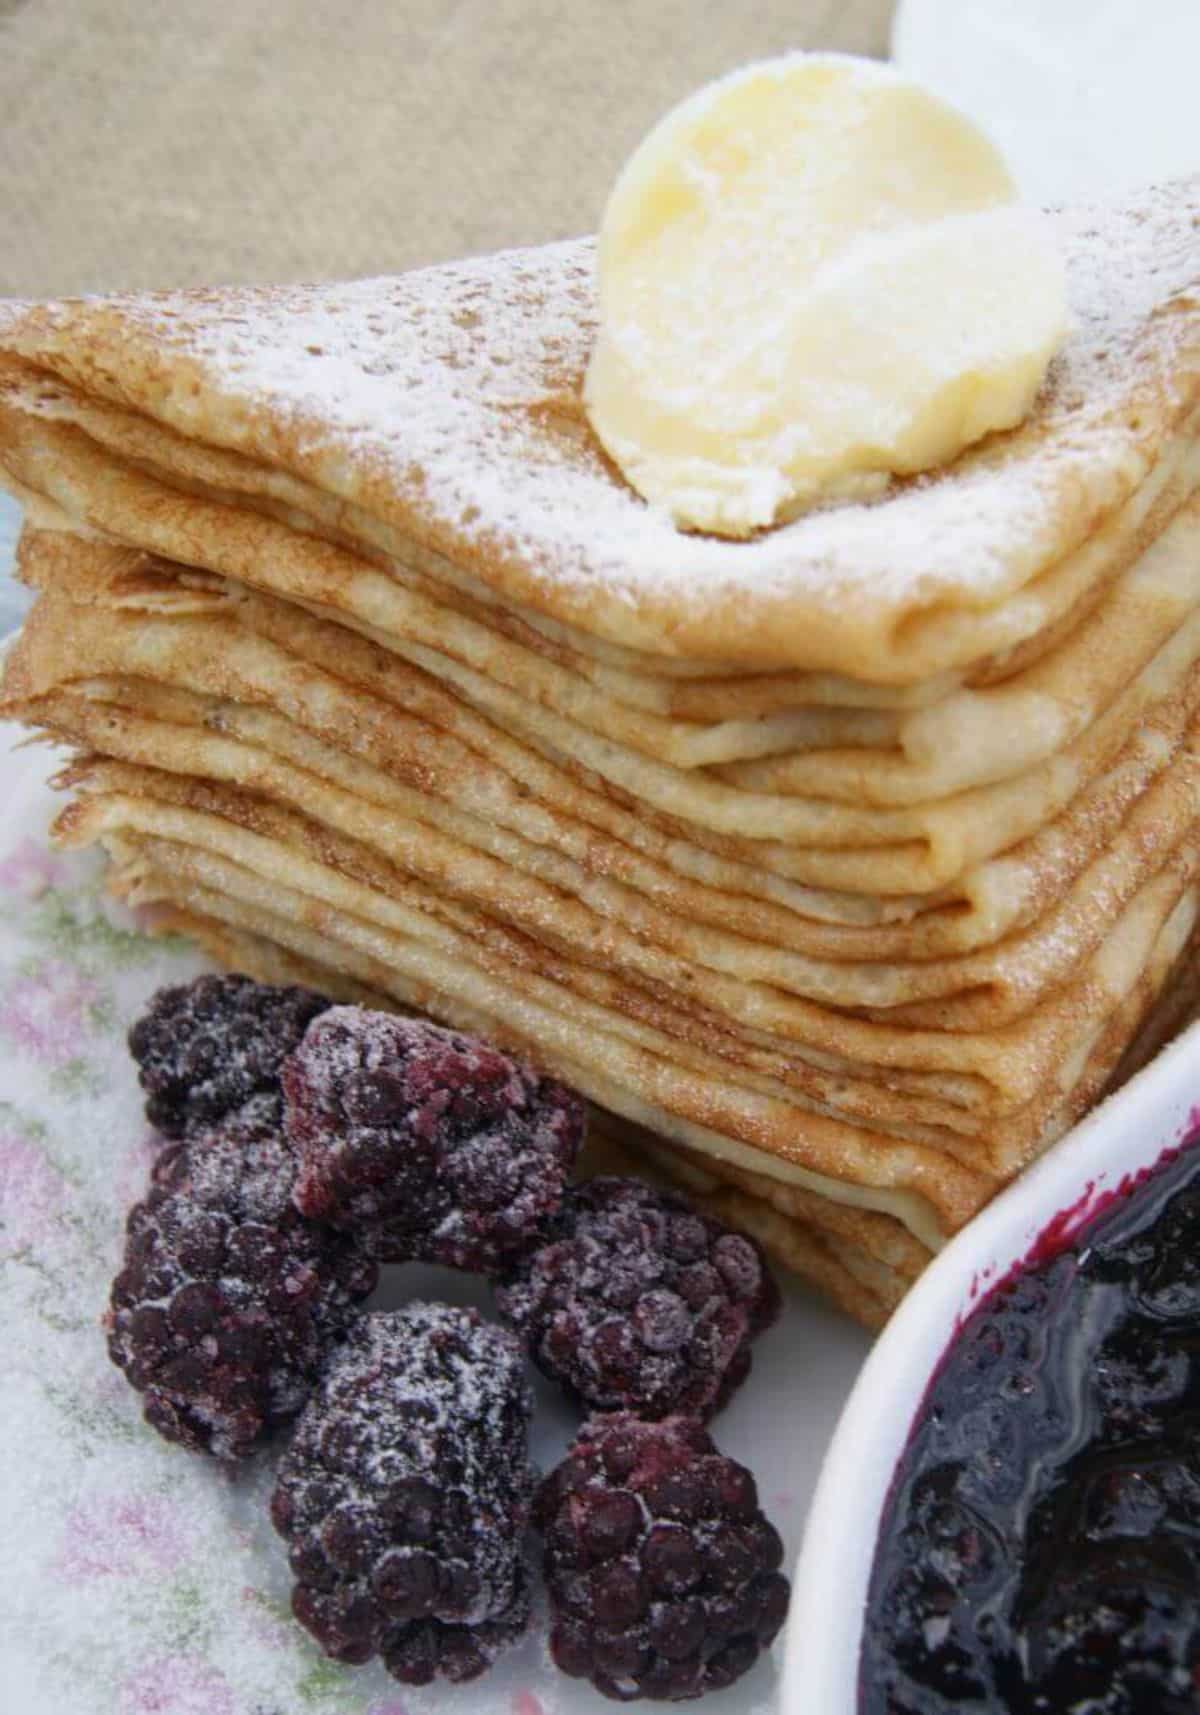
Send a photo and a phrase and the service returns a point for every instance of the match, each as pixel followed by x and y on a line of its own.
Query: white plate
pixel 1085 98
pixel 1125 1134
pixel 137 1579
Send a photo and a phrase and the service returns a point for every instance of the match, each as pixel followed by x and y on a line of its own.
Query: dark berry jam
pixel 1040 1546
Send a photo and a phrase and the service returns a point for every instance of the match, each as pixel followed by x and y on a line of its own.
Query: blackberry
pixel 661 1569
pixel 228 1300
pixel 423 1142
pixel 204 1048
pixel 405 1492
pixel 637 1302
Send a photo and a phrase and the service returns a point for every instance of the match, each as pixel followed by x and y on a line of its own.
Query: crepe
pixel 990 988
pixel 441 409
pixel 852 754
pixel 931 845
pixel 1000 895
pixel 232 855
pixel 840 869
pixel 514 876
pixel 156 870
pixel 871 1237
pixel 638 1056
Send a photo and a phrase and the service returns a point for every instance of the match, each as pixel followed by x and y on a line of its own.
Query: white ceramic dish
pixel 1127 1133
pixel 1084 97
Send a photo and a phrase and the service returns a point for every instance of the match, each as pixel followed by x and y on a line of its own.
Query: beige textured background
pixel 158 142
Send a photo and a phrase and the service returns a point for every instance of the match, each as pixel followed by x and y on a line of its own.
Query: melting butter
pixel 813 276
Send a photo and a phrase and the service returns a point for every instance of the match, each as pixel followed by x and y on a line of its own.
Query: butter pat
pixel 813 276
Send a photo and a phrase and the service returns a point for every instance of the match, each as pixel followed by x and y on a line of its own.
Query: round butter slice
pixel 813 276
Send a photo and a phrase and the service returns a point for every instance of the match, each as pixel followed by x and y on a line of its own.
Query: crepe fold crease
pixel 841 869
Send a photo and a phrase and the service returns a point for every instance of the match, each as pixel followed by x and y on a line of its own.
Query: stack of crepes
pixel 841 867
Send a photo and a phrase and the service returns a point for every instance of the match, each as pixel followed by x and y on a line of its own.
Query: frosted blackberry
pixel 228 1300
pixel 204 1048
pixel 662 1572
pixel 424 1142
pixel 405 1492
pixel 637 1302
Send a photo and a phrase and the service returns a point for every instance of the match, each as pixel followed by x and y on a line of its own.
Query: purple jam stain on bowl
pixel 1039 1549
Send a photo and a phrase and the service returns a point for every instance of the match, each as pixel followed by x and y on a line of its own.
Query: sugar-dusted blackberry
pixel 205 1047
pixel 639 1303
pixel 662 1571
pixel 228 1300
pixel 405 1492
pixel 423 1142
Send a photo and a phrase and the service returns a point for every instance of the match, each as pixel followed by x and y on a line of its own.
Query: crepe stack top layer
pixel 840 867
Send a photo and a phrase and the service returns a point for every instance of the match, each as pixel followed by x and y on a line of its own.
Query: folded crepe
pixel 841 869
pixel 435 418
pixel 185 644
pixel 776 1106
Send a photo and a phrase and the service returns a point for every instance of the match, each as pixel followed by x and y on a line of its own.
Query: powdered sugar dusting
pixel 638 1303
pixel 405 1492
pixel 246 1158
pixel 205 1048
pixel 448 399
pixel 423 1142
pixel 682 1588
pixel 227 1302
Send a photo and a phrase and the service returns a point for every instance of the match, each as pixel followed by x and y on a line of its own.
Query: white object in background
pixel 1128 1132
pixel 1084 98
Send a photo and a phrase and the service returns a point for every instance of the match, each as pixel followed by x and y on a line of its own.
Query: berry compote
pixel 1040 1546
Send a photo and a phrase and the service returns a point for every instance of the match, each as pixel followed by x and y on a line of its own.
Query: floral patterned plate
pixel 137 1579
